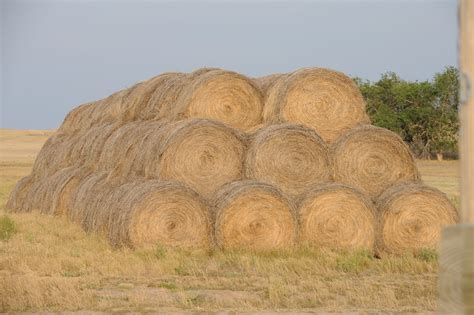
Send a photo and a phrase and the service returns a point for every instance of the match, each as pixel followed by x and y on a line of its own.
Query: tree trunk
pixel 439 156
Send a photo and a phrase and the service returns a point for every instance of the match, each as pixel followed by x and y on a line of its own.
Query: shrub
pixel 7 228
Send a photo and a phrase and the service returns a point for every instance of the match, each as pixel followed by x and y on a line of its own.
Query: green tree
pixel 423 113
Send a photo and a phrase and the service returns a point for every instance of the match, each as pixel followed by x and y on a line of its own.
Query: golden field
pixel 47 263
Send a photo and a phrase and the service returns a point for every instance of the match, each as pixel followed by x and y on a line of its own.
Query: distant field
pixel 51 264
pixel 443 175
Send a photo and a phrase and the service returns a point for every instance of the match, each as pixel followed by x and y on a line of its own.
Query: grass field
pixel 47 263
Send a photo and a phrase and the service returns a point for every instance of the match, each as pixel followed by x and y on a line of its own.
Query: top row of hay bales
pixel 324 100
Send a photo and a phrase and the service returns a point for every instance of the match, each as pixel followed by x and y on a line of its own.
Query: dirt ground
pixel 50 264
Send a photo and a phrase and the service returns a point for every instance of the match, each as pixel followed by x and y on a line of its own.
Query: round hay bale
pixel 265 83
pixel 36 196
pixel 411 218
pixel 62 186
pixel 221 95
pixel 150 93
pixel 338 217
pixel 16 200
pixel 164 98
pixel 94 144
pixel 91 187
pixel 87 148
pixel 123 153
pixel 201 153
pixel 373 159
pixel 153 212
pixel 111 109
pixel 290 157
pixel 49 190
pixel 325 100
pixel 53 156
pixel 253 215
pixel 117 104
pixel 151 138
pixel 78 119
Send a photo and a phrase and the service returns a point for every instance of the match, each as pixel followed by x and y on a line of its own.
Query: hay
pixel 135 162
pixel 201 153
pixel 147 99
pixel 87 148
pixel 84 199
pixel 111 109
pixel 124 152
pixel 290 157
pixel 253 215
pixel 78 119
pixel 338 217
pixel 411 218
pixel 325 100
pixel 53 156
pixel 221 95
pixel 49 194
pixel 62 186
pixel 117 145
pixel 153 212
pixel 266 83
pixel 163 99
pixel 373 159
pixel 142 165
pixel 36 194
pixel 16 201
pixel 117 104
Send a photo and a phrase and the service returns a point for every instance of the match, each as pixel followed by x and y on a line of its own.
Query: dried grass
pixel 142 213
pixel 141 165
pixel 411 218
pixel 290 157
pixel 253 215
pixel 265 83
pixel 154 212
pixel 221 95
pixel 122 155
pixel 86 149
pixel 78 119
pixel 53 155
pixel 16 200
pixel 163 99
pixel 83 202
pixel 325 100
pixel 337 216
pixel 201 153
pixel 372 159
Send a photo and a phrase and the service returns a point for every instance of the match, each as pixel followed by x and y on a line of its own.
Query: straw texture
pixel 224 96
pixel 203 154
pixel 338 217
pixel 166 213
pixel 265 83
pixel 325 100
pixel 412 218
pixel 253 215
pixel 373 159
pixel 214 158
pixel 290 157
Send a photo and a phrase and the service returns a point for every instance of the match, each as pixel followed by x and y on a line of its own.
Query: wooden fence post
pixel 456 273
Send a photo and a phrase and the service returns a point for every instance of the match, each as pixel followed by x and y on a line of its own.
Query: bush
pixel 427 255
pixel 424 113
pixel 7 228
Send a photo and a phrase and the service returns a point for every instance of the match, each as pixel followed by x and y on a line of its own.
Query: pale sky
pixel 58 54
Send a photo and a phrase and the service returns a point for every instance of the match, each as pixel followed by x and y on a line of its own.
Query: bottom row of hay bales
pixel 243 214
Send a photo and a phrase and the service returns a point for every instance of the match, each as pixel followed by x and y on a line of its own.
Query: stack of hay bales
pixel 213 158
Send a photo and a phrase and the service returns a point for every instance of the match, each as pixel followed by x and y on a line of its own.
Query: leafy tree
pixel 424 113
